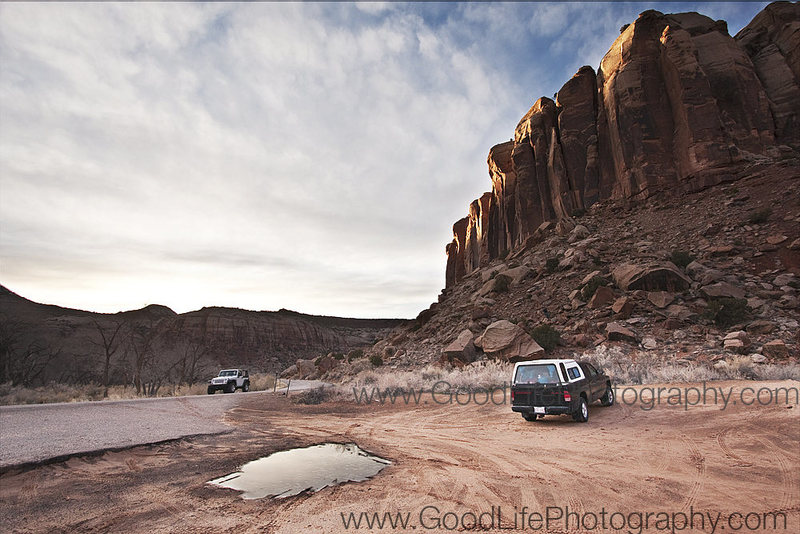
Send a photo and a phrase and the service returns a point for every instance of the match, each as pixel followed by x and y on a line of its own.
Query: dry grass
pixel 55 392
pixel 655 370
pixel 480 375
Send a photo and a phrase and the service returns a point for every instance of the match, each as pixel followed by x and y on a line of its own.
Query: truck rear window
pixel 536 374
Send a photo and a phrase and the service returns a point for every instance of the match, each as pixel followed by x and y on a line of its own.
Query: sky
pixel 309 156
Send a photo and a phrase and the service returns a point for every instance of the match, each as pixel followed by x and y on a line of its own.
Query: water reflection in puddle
pixel 287 473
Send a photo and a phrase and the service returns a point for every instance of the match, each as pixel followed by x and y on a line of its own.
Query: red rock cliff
pixel 676 105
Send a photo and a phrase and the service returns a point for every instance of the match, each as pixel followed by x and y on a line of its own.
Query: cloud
pixel 262 155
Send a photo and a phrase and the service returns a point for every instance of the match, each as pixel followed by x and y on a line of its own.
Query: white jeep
pixel 229 380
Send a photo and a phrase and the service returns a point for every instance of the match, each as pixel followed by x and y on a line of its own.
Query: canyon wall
pixel 676 105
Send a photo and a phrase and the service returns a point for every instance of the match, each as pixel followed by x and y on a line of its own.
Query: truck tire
pixel 582 415
pixel 608 398
pixel 530 416
pixel 230 387
pixel 211 390
pixel 246 387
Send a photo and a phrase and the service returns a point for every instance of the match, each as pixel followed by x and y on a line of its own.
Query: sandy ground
pixel 461 460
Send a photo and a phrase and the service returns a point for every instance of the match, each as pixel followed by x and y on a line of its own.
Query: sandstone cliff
pixel 676 105
pixel 44 342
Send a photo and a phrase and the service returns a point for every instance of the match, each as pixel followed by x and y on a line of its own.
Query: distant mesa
pixel 677 105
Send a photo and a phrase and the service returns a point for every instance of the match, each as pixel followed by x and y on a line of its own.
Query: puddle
pixel 287 473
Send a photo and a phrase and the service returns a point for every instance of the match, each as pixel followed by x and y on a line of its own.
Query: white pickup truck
pixel 229 380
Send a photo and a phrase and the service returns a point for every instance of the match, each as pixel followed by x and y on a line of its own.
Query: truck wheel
pixel 530 416
pixel 211 391
pixel 246 387
pixel 582 415
pixel 608 398
pixel 230 387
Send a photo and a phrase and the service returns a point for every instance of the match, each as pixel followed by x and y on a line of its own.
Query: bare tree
pixel 141 344
pixel 191 353
pixel 21 363
pixel 110 342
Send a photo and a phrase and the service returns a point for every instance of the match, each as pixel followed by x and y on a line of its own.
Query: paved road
pixel 39 432
pixel 34 433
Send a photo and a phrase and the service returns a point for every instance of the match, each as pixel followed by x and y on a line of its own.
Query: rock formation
pixel 676 105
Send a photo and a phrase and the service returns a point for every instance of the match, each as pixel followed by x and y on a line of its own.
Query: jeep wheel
pixel 608 398
pixel 246 387
pixel 582 415
pixel 211 390
pixel 530 416
pixel 230 387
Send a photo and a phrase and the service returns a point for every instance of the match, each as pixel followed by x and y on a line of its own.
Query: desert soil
pixel 461 459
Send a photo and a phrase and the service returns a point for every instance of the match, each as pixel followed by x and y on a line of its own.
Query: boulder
pixel 462 348
pixel 481 312
pixel 737 341
pixel 327 363
pixel 603 296
pixel 623 306
pixel 289 372
pixel 758 358
pixel 722 290
pixel 649 343
pixel 783 279
pixel 652 277
pixel 760 327
pixel 775 349
pixel 305 368
pixel 498 284
pixel 517 274
pixel 660 299
pixel 504 340
pixel 617 332
pixel 578 233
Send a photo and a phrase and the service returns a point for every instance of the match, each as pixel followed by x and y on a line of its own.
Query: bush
pixel 376 360
pixel 501 283
pixel 681 258
pixel 551 265
pixel 760 216
pixel 591 286
pixel 313 396
pixel 338 356
pixel 546 336
pixel 355 354
pixel 726 311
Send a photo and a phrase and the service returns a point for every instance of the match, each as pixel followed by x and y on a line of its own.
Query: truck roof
pixel 553 361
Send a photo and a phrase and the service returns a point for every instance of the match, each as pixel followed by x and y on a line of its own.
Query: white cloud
pixel 264 155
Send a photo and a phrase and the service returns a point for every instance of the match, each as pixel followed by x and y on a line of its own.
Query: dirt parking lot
pixel 737 466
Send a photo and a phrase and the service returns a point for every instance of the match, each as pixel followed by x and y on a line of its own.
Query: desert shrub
pixel 726 311
pixel 760 216
pixel 546 336
pixel 314 396
pixel 338 356
pixel 681 258
pixel 551 265
pixel 355 354
pixel 501 283
pixel 578 213
pixel 376 360
pixel 591 286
